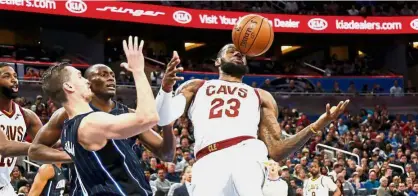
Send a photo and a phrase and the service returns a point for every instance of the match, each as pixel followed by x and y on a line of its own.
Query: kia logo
pixel 414 24
pixel 317 24
pixel 76 6
pixel 182 17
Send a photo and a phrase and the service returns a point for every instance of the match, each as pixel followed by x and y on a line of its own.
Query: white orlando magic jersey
pixel 222 110
pixel 14 126
pixel 318 187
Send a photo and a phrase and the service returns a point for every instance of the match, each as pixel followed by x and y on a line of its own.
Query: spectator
pixel 274 184
pixel 372 183
pixel 410 88
pixel 414 191
pixel 187 188
pixel 318 87
pixel 353 11
pixel 396 90
pixel 157 76
pixel 402 189
pixel 383 189
pixel 17 179
pixel 347 187
pixel 172 175
pixel 162 184
pixel 153 166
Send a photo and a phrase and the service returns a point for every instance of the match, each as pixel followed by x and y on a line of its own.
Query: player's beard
pixel 8 92
pixel 234 70
pixel 315 174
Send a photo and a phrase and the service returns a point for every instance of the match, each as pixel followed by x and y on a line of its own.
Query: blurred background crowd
pixel 371 149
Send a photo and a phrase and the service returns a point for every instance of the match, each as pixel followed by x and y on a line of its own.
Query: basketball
pixel 253 35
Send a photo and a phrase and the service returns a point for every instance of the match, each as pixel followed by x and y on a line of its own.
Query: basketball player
pixel 319 184
pixel 49 181
pixel 228 116
pixel 103 84
pixel 103 169
pixel 14 123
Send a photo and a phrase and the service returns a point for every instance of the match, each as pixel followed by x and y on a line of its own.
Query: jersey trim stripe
pixel 12 113
pixel 108 174
pixel 49 188
pixel 258 96
pixel 83 189
pixel 75 188
pixel 126 166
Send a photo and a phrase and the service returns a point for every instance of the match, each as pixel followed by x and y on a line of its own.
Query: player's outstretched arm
pixel 163 147
pixel 45 173
pixel 41 148
pixel 171 108
pixel 270 131
pixel 14 148
pixel 10 148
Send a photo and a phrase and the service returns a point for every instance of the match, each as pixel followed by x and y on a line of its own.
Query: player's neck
pixel 103 104
pixel 226 77
pixel 5 104
pixel 315 177
pixel 76 107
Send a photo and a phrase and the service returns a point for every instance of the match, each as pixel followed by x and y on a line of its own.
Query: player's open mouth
pixel 15 88
pixel 111 86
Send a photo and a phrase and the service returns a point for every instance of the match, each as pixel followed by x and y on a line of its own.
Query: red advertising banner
pixel 208 19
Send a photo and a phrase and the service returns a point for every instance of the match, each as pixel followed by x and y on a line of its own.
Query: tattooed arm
pixel 270 131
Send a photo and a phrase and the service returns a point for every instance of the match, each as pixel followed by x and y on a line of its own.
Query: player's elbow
pixel 33 151
pixel 3 150
pixel 167 156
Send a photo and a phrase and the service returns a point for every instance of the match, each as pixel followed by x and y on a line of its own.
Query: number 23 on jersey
pixel 221 107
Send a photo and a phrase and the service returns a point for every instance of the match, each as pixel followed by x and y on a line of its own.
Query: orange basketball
pixel 253 35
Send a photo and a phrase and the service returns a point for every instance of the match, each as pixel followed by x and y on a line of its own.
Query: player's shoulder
pixel 28 115
pixel 59 116
pixel 190 85
pixel 265 96
pixel 46 168
pixel 47 171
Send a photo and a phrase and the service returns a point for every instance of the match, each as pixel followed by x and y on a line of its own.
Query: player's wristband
pixel 313 130
pixel 170 107
pixel 161 96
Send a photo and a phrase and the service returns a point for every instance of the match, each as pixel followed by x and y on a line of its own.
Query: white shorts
pixel 234 171
pixel 8 190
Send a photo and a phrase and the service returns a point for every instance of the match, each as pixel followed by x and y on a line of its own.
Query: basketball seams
pixel 256 35
pixel 243 27
pixel 270 36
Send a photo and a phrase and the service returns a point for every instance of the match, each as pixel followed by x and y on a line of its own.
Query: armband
pixel 169 108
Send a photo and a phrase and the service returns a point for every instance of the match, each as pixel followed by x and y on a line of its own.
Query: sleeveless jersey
pixel 14 126
pixel 56 185
pixel 222 110
pixel 118 109
pixel 320 186
pixel 112 170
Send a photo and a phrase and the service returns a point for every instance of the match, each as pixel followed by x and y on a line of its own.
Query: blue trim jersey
pixel 56 185
pixel 113 170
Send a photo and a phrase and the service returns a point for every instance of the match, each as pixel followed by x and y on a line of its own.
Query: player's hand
pixel 331 114
pixel 133 52
pixel 170 77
